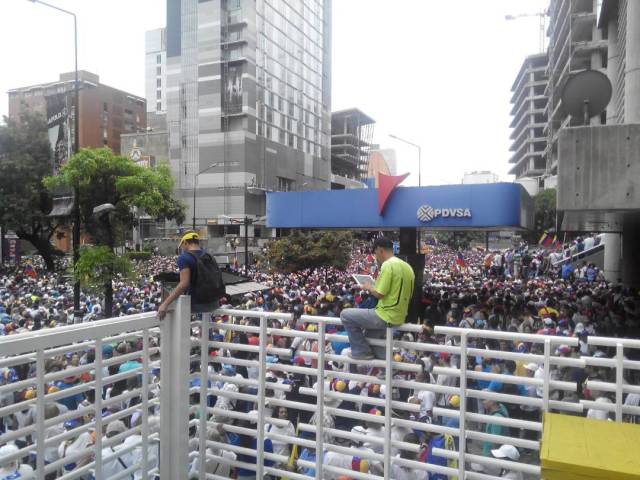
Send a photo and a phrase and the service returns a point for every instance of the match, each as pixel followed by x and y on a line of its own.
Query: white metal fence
pixel 205 421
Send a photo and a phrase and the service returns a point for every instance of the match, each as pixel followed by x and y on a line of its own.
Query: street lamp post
pixel 195 186
pixel 419 174
pixel 419 155
pixel 76 148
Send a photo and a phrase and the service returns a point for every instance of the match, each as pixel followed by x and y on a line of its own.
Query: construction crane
pixel 543 20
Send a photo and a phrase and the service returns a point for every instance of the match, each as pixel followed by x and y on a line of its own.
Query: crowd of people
pixel 517 290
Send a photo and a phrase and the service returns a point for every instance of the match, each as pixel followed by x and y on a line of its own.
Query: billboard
pixel 58 128
pixel 233 88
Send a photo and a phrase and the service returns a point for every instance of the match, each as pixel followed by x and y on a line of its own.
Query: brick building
pixel 105 112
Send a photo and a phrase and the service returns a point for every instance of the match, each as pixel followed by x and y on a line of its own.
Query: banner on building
pixel 233 88
pixel 58 129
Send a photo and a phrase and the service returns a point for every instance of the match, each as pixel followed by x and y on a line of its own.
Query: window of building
pixel 158 59
pixel 158 94
pixel 284 184
pixel 158 70
pixel 158 82
pixel 158 106
pixel 105 107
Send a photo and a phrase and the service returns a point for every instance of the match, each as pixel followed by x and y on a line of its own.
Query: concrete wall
pixel 599 168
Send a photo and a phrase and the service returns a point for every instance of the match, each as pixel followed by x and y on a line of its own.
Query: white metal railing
pixel 199 438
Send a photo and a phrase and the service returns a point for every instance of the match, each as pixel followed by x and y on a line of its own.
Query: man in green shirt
pixel 393 289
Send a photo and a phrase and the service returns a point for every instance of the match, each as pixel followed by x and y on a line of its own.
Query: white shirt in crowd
pixel 513 475
pixel 377 432
pixel 280 447
pixel 24 472
pixel 406 473
pixel 110 468
pixel 80 444
pixel 427 400
pixel 598 414
pixel 215 468
pixel 340 460
pixel 134 457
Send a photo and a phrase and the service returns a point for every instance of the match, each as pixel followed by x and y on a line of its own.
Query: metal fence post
pixel 619 380
pixel 204 385
pixel 262 381
pixel 320 403
pixel 463 406
pixel 174 395
pixel 98 409
pixel 40 408
pixel 145 404
pixel 388 397
pixel 547 371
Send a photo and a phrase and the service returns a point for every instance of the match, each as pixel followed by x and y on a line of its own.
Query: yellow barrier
pixel 576 448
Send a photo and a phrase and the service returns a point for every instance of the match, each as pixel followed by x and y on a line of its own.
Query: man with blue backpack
pixel 200 277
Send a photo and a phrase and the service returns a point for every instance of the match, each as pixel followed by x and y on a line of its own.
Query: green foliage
pixel 97 266
pixel 139 255
pixel 544 204
pixel 103 177
pixel 310 250
pixel 25 159
pixel 99 177
pixel 459 240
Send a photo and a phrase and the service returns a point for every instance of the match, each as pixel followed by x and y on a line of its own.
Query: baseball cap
pixel 531 366
pixel 506 451
pixel 117 426
pixel 454 401
pixel 189 236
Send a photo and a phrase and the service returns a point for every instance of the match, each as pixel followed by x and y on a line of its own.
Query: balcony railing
pixel 191 412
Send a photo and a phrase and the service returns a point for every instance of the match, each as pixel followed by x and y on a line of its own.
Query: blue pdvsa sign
pixel 485 206
pixel 426 213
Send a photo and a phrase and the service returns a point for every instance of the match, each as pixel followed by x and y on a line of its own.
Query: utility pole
pixel 76 148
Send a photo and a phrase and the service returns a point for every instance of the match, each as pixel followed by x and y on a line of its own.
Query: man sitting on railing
pixel 393 289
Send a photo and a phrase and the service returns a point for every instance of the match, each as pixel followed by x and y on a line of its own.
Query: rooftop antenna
pixel 586 94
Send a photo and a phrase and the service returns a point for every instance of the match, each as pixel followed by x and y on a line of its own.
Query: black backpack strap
pixel 194 271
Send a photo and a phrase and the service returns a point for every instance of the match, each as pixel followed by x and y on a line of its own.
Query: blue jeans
pixel 360 324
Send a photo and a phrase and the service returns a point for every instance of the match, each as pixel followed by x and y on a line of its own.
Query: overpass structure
pixel 180 433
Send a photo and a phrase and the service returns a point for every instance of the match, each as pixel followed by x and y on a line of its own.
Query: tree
pixel 101 177
pixel 25 159
pixel 459 239
pixel 310 250
pixel 544 206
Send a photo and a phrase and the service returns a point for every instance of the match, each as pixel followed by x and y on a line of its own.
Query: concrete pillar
pixel 631 254
pixel 613 64
pixel 632 70
pixel 612 251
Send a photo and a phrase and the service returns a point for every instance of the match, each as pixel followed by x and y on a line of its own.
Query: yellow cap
pixel 454 401
pixel 189 236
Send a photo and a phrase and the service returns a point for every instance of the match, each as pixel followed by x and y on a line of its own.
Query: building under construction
pixel 351 135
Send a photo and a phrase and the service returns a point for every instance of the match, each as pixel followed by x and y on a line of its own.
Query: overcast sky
pixel 437 73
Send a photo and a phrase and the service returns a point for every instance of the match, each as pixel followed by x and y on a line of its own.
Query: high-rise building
pixel 105 112
pixel 597 163
pixel 248 103
pixel 156 70
pixel 529 120
pixel 351 134
pixel 575 45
